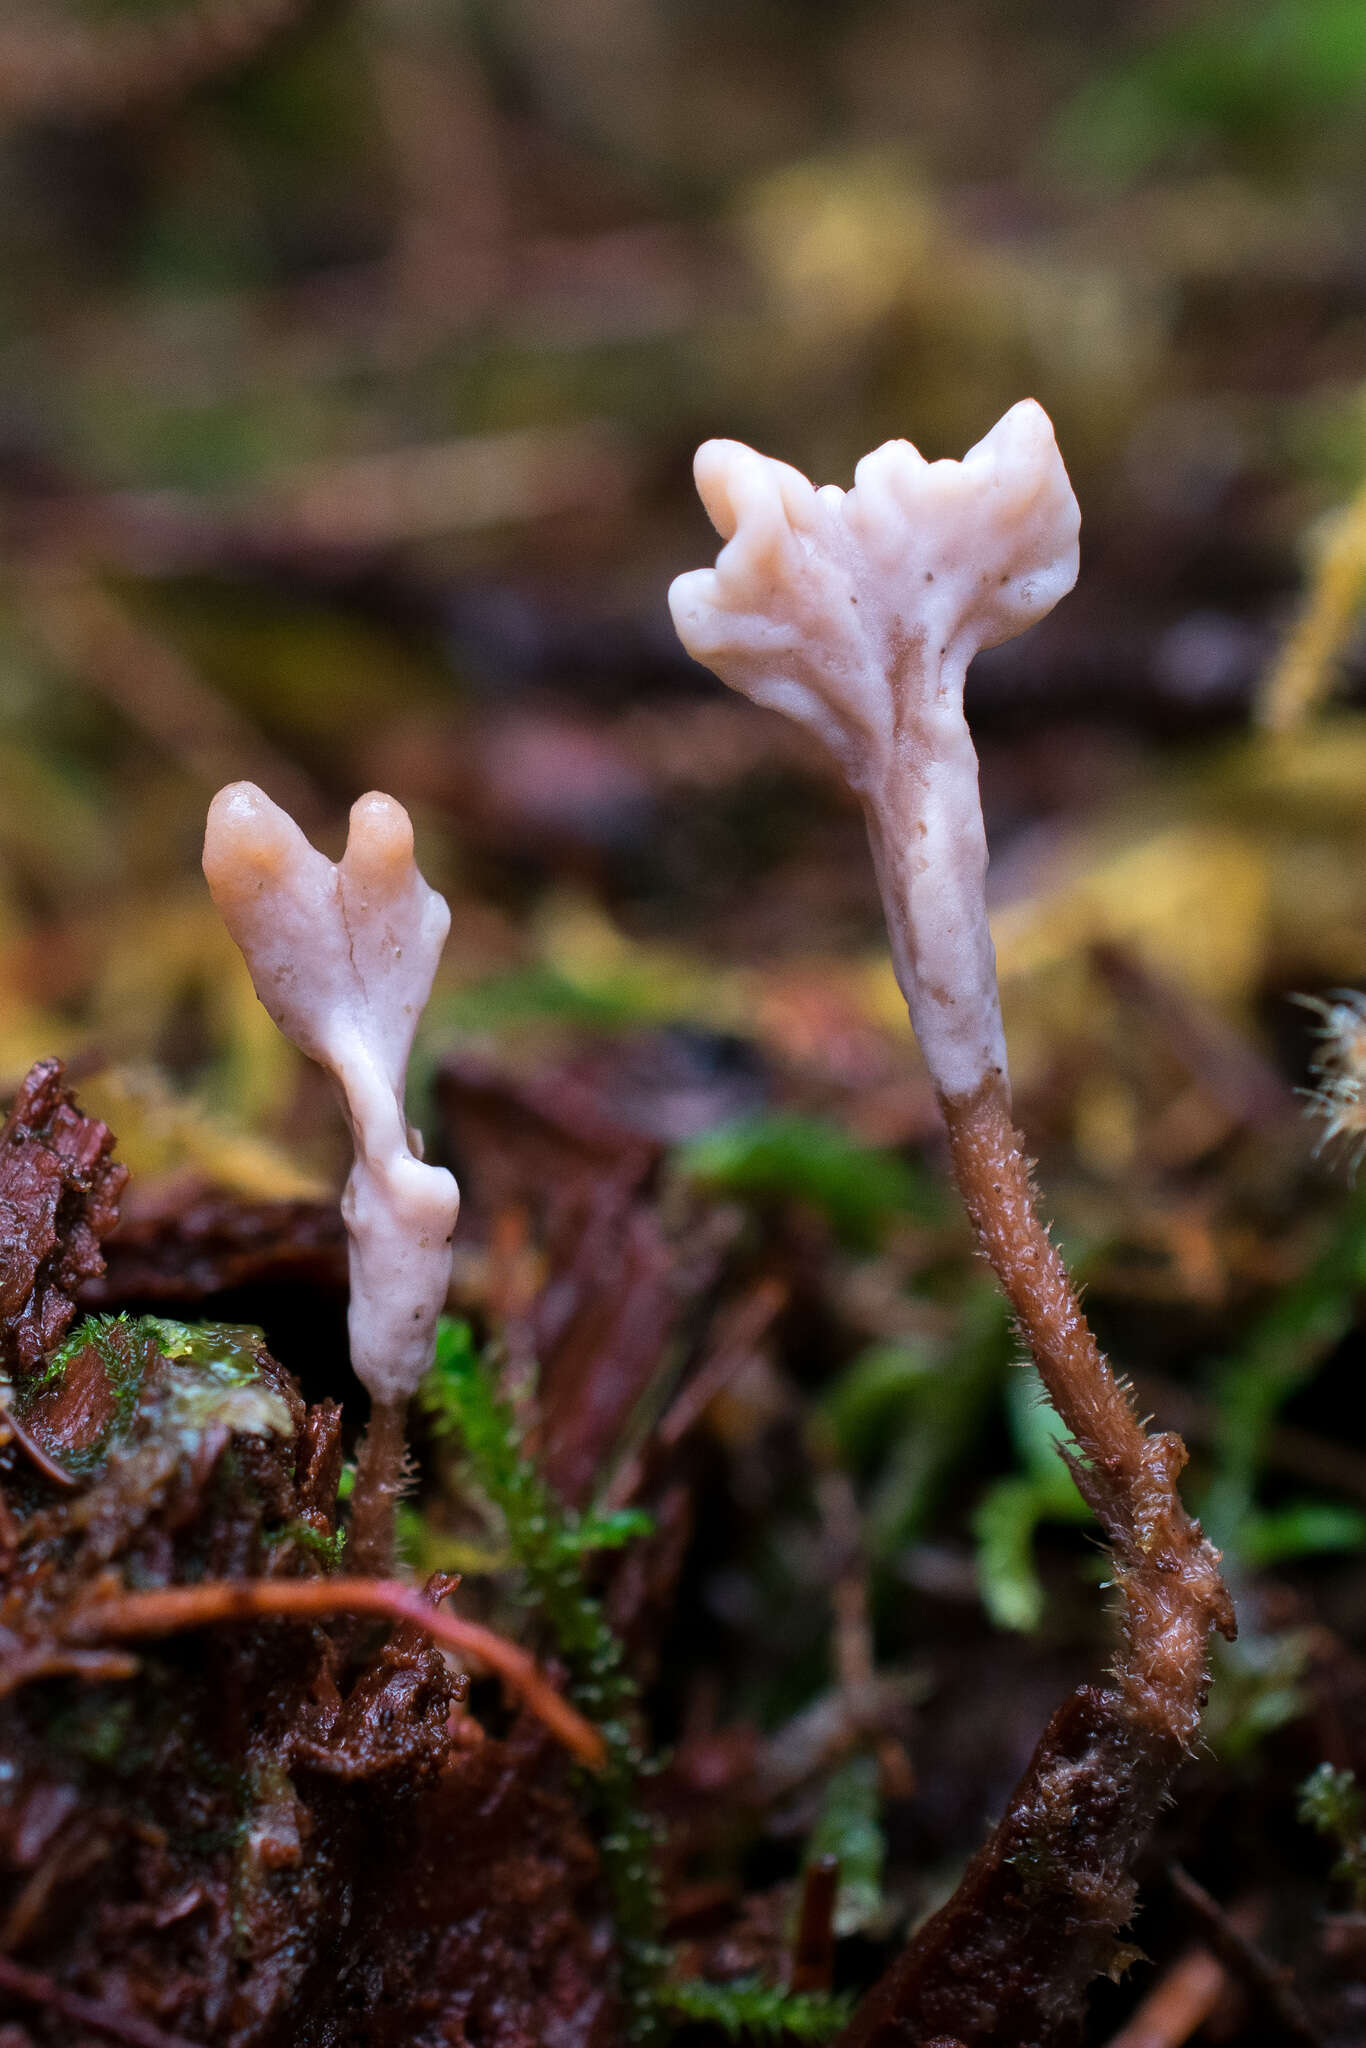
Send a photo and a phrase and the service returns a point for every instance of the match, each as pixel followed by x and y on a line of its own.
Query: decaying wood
pixel 252 1835
pixel 185 1250
pixel 59 1196
pixel 34 1989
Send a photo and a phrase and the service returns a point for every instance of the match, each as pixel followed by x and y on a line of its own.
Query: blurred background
pixel 352 358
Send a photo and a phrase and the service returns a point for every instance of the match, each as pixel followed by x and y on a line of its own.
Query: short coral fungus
pixel 343 956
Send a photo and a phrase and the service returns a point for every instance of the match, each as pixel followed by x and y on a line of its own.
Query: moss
pixel 211 1376
pixel 748 2010
pixel 550 1543
pixel 96 1727
pixel 327 1550
pixel 1332 1803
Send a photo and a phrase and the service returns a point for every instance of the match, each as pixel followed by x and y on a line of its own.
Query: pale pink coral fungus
pixel 856 613
pixel 343 956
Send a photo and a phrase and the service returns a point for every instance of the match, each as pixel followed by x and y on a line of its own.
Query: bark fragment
pixel 59 1197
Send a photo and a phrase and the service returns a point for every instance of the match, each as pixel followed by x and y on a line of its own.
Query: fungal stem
pixel 380 1465
pixel 1166 1570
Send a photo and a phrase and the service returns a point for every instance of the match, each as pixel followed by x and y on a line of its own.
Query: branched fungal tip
pixel 856 613
pixel 343 956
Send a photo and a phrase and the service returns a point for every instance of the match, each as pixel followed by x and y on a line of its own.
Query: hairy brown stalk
pixel 129 1617
pixel 1006 1963
pixel 1166 1570
pixel 379 1482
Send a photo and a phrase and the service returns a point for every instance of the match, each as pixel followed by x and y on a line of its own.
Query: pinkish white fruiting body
pixel 857 614
pixel 343 956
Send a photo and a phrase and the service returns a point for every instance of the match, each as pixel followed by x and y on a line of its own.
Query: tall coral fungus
pixel 857 615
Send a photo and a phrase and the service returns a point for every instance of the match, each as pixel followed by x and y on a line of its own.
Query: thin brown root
pixel 131 1616
pixel 379 1482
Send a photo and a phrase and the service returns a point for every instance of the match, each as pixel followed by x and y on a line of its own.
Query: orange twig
pixel 159 1612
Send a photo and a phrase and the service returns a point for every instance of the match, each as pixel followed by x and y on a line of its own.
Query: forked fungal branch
pixel 857 614
pixel 343 956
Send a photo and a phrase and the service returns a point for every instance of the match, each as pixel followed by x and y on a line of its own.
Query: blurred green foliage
pixel 748 2010
pixel 1244 81
pixel 1280 1353
pixel 1331 1803
pixel 1009 1513
pixel 787 1157
pixel 850 1830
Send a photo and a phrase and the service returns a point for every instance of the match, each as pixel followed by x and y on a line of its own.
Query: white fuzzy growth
pixel 343 957
pixel 857 614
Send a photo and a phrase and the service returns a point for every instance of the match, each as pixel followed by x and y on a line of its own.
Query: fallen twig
pixel 1230 1933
